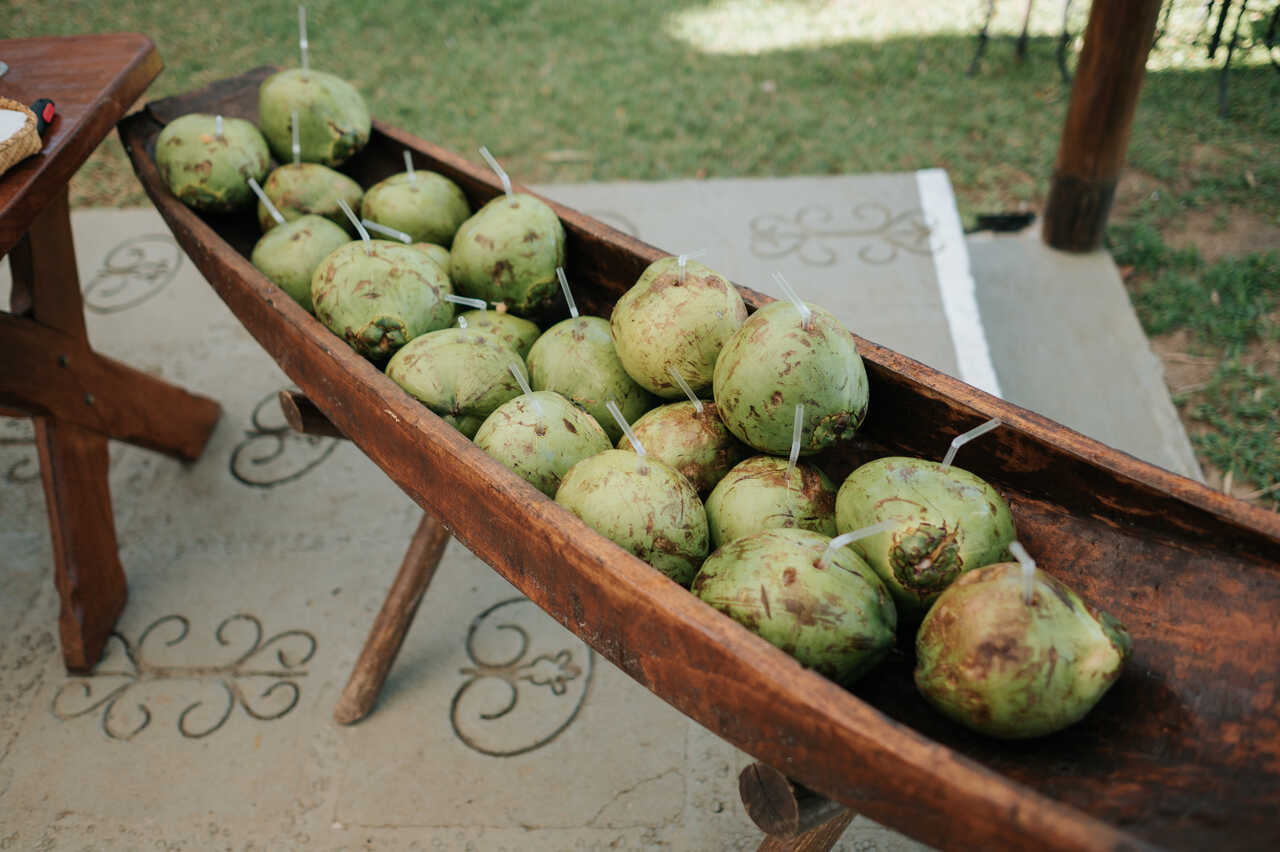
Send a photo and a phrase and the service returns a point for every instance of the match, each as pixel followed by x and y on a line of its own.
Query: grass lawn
pixel 599 90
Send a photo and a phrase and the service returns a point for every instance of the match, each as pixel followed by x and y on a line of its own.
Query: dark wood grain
pixel 1185 751
pixel 1104 98
pixel 779 807
pixel 94 80
pixel 393 621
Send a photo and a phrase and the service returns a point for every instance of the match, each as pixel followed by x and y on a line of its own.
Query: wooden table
pixel 48 371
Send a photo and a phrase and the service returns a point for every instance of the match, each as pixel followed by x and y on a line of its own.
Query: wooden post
pixel 1096 134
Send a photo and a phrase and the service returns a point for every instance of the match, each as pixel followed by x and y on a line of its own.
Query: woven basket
pixel 22 144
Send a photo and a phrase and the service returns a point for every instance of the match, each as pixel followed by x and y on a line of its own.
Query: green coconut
pixel 438 253
pixel 695 443
pixel 333 121
pixel 576 358
pixel 643 506
pixel 945 522
pixel 508 252
pixel 428 207
pixel 516 332
pixel 835 618
pixel 461 375
pixel 772 364
pixel 1010 669
pixel 380 298
pixel 207 171
pixel 665 321
pixel 541 443
pixel 308 189
pixel 756 495
pixel 288 255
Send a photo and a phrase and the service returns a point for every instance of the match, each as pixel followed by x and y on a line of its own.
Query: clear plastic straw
pixel 528 391
pixel 631 436
pixel 478 304
pixel 682 259
pixel 684 386
pixel 568 294
pixel 364 235
pixel 960 440
pixel 387 231
pixel 217 126
pixel 266 202
pixel 848 538
pixel 408 167
pixel 302 38
pixel 1028 571
pixel 493 164
pixel 462 322
pixel 797 432
pixel 295 132
pixel 806 315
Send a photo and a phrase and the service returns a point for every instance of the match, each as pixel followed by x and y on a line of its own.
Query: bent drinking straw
pixel 850 537
pixel 493 164
pixel 1028 571
pixel 296 142
pixel 631 436
pixel 408 167
pixel 682 259
pixel 568 294
pixel 960 440
pixel 806 315
pixel 386 230
pixel 266 202
pixel 684 386
pixel 478 304
pixel 364 235
pixel 528 391
pixel 302 38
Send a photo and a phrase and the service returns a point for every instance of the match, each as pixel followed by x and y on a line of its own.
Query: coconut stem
pixel 960 440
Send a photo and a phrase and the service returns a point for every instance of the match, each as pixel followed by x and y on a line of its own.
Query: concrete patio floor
pixel 255 572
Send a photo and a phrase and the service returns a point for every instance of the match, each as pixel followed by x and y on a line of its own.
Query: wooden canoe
pixel 1183 752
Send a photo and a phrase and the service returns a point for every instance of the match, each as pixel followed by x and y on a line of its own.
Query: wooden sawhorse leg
pixel 78 399
pixel 401 604
pixel 793 818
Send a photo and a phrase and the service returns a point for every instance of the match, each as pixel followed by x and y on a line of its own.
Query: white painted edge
pixel 955 280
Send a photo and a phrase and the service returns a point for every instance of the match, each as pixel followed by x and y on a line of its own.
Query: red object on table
pixel 77 398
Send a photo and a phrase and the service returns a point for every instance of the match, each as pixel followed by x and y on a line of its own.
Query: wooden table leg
pixel 87 570
pixel 73 458
pixel 392 623
pixel 793 818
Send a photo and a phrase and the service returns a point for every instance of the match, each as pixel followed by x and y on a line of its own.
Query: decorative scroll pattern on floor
pixel 262 679
pixel 271 454
pixel 879 233
pixel 522 691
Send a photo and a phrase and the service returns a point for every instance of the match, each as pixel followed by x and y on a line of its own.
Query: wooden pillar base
pixel 1076 213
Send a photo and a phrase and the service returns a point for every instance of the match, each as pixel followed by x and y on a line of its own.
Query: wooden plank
pixel 1095 137
pixel 46 372
pixel 1192 572
pixel 393 621
pixel 87 572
